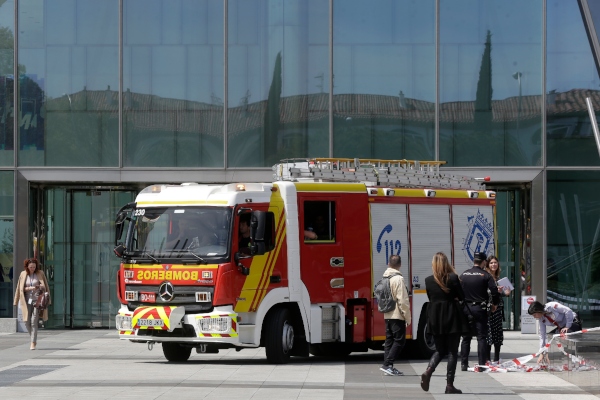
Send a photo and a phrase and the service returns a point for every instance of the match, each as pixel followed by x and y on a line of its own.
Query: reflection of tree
pixel 31 120
pixel 483 97
pixel 7 241
pixel 271 125
pixel 7 41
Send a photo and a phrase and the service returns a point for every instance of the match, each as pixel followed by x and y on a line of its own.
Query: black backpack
pixel 383 293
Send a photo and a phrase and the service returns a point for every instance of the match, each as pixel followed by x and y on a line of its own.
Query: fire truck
pixel 290 265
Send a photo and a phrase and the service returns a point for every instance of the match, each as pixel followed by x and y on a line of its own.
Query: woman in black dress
pixel 495 332
pixel 445 319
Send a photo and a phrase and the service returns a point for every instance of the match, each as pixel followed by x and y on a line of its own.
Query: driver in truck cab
pixel 192 232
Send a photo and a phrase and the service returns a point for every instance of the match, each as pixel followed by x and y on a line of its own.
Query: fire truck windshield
pixel 179 232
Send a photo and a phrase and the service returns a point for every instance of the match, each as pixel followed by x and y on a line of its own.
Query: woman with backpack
pixel 445 319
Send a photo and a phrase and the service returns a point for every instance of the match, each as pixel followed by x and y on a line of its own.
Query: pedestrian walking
pixel 32 282
pixel 445 319
pixel 495 330
pixel 478 286
pixel 397 319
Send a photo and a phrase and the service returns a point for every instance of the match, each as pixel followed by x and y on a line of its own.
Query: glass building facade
pixel 101 97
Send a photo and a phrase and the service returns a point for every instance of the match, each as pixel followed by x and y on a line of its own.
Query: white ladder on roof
pixel 393 173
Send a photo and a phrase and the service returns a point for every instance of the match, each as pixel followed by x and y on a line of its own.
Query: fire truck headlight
pixel 214 325
pixel 123 322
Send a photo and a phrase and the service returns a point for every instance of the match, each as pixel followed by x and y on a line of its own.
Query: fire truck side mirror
pixel 119 250
pixel 262 232
pixel 122 216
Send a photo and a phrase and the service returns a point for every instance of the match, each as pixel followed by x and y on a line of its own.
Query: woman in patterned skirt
pixel 495 333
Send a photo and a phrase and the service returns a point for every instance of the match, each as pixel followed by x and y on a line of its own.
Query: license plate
pixel 151 322
pixel 148 297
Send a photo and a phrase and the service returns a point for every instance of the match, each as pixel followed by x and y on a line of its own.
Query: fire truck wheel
pixel 425 341
pixel 279 336
pixel 175 352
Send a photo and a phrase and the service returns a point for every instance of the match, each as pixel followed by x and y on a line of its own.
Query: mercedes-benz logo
pixel 166 291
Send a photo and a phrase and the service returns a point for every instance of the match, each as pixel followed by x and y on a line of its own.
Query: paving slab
pixel 95 364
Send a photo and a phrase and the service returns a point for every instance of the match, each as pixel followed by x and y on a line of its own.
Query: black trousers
pixel 446 345
pixel 395 337
pixel 478 324
pixel 575 327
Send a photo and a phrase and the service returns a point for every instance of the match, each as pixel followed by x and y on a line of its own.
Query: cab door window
pixel 319 221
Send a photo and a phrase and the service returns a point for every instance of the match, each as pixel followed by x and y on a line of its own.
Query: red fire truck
pixel 290 265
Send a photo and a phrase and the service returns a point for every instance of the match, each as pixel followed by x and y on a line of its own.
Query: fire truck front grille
pixel 182 296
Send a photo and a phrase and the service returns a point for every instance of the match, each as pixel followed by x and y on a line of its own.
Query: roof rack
pixel 393 173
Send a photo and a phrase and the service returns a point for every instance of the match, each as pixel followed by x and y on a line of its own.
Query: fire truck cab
pixel 290 265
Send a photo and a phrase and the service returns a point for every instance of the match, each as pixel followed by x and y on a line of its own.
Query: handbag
pixel 42 301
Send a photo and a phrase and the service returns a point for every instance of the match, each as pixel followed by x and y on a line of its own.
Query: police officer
pixel 479 286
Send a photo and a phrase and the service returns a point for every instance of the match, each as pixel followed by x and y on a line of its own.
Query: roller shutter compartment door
pixel 429 233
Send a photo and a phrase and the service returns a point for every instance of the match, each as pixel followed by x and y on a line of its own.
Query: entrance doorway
pixel 73 236
pixel 513 227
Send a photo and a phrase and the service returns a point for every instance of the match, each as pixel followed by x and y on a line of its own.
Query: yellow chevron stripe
pixel 264 282
pixel 252 284
pixel 263 291
pixel 163 315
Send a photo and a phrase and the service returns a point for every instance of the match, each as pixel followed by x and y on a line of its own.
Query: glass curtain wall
pixel 571 77
pixel 7 59
pixel 173 83
pixel 573 263
pixel 8 272
pixel 68 82
pixel 491 82
pixel 278 81
pixel 384 86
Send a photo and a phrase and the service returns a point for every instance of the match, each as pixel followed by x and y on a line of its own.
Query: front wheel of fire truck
pixel 175 352
pixel 279 336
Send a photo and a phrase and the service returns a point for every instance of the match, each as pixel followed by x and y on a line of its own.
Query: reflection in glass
pixel 571 77
pixel 490 82
pixel 278 80
pixel 7 272
pixel 173 83
pixel 7 82
pixel 194 233
pixel 384 86
pixel 573 258
pixel 68 112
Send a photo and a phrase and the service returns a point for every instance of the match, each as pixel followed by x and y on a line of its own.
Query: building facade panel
pixel 69 52
pixel 218 91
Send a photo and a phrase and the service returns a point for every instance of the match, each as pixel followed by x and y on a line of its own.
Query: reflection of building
pixel 100 115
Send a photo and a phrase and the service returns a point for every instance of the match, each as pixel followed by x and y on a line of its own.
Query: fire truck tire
pixel 279 336
pixel 175 352
pixel 425 341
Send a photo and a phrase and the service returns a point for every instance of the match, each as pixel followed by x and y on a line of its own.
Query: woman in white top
pixel 562 318
pixel 32 282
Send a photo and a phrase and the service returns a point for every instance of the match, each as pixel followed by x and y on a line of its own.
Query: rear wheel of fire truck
pixel 425 340
pixel 175 352
pixel 279 336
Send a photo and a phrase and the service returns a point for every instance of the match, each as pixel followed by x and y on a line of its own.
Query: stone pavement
pixel 94 364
